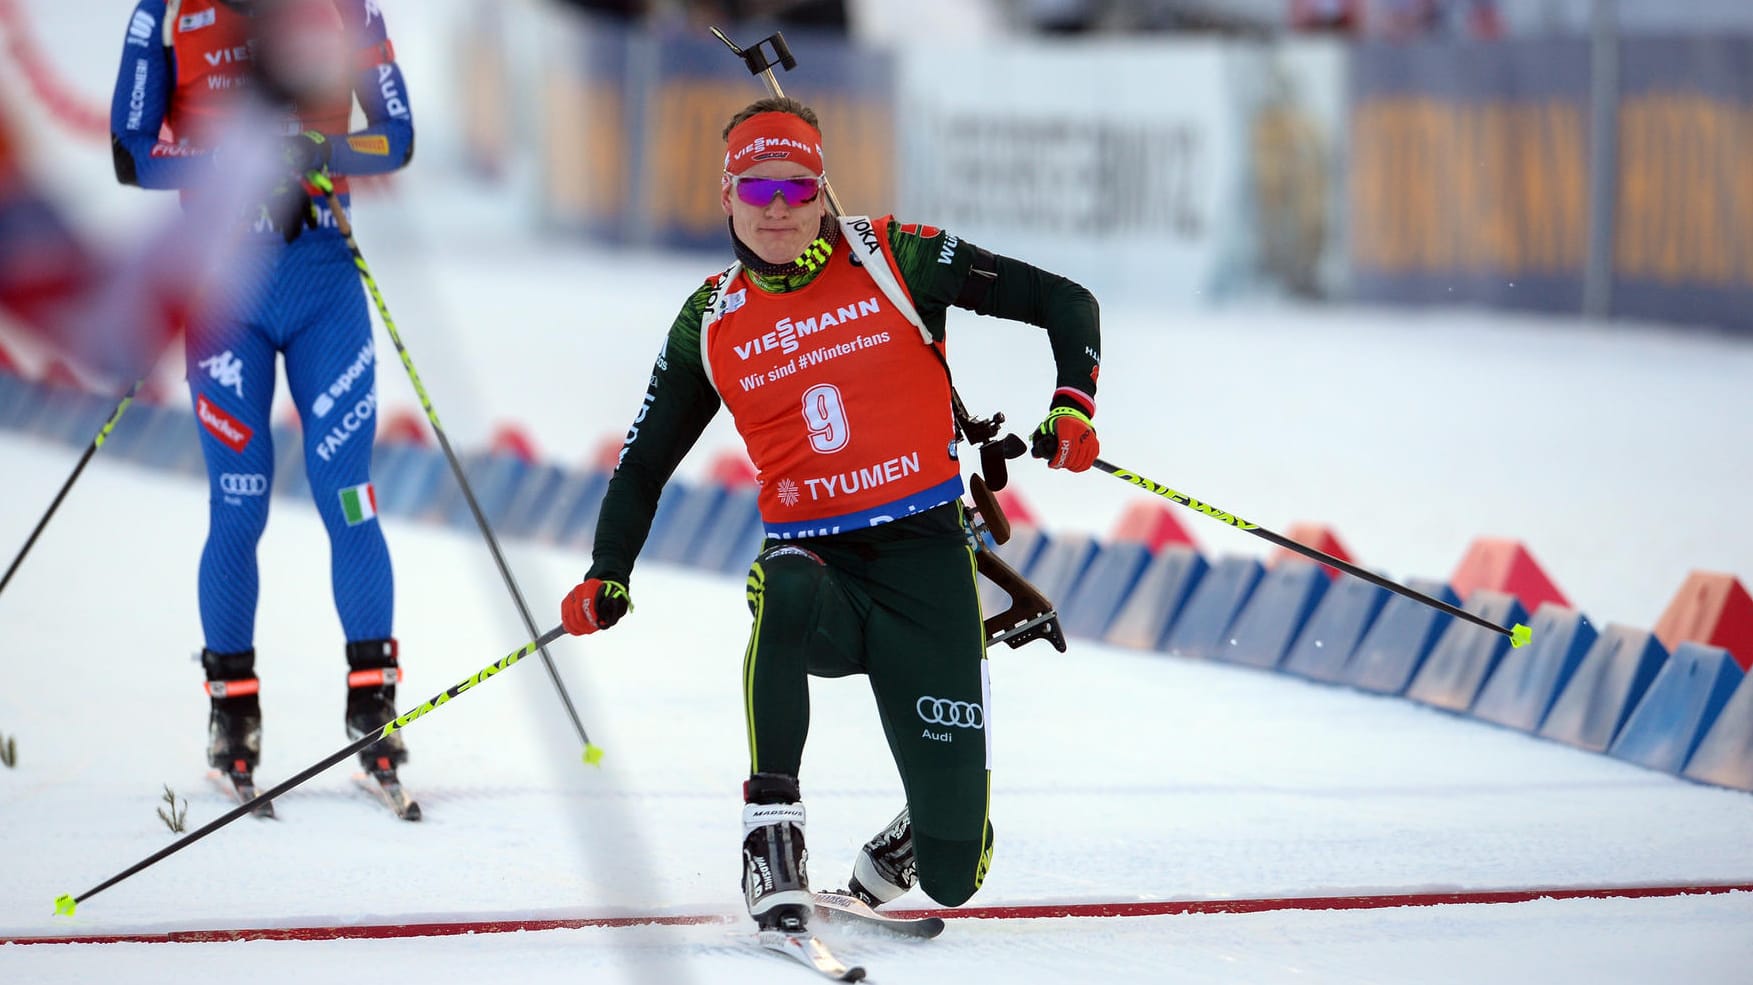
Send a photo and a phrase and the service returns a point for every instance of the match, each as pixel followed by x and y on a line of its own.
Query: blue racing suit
pixel 303 300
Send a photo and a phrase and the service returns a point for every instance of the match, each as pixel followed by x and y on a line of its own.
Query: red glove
pixel 1067 440
pixel 594 604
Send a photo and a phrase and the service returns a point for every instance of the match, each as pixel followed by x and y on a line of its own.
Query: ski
pixel 850 910
pixel 242 786
pixel 806 949
pixel 386 788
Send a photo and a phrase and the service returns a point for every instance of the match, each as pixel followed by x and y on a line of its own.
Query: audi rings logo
pixel 236 484
pixel 957 714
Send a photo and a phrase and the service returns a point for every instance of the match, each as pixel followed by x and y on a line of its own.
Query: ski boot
pixel 371 703
pixel 776 882
pixel 885 869
pixel 234 721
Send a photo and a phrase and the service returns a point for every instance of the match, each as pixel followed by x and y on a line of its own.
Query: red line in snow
pixel 1022 911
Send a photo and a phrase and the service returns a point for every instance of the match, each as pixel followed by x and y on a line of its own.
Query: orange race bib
pixel 845 411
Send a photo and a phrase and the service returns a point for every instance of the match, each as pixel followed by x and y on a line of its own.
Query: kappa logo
pixel 230 431
pixel 226 369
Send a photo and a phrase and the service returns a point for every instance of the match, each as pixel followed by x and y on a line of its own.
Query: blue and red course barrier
pixel 1273 615
pixel 1390 654
pixel 1144 621
pixel 1607 685
pixel 1527 681
pixel 1679 708
pixel 1725 757
pixel 1323 649
pixel 1146 588
pixel 1465 655
pixel 1202 628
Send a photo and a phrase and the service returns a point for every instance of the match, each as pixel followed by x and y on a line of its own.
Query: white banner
pixel 1117 164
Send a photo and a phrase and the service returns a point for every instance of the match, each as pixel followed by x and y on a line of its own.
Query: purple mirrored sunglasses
pixel 760 191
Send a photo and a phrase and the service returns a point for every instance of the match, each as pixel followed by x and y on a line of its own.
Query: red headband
pixel 773 136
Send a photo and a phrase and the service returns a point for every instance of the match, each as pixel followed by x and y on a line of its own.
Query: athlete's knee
pixel 238 505
pixel 784 571
pixel 952 870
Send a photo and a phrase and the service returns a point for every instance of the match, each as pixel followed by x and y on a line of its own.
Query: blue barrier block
pixel 1203 625
pixel 1401 638
pixel 1276 612
pixel 494 480
pixel 1025 544
pixel 1679 708
pixel 1345 614
pixel 407 478
pixel 1161 593
pixel 1060 564
pixel 533 500
pixel 1465 655
pixel 1091 605
pixel 173 442
pixel 1608 683
pixel 1725 757
pixel 289 477
pixel 1527 681
pixel 15 395
pixel 734 536
pixel 577 510
pixel 678 540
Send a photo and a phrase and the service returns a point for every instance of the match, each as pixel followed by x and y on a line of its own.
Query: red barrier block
pixel 401 427
pixel 1713 609
pixel 1016 509
pixel 7 363
pixel 1498 564
pixel 1152 524
pixel 512 441
pixel 732 469
pixel 58 373
pixel 1317 535
pixel 607 454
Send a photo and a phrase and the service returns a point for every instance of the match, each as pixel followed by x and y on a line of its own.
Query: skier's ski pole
pixel 66 903
pixel 103 435
pixel 593 754
pixel 760 64
pixel 1519 634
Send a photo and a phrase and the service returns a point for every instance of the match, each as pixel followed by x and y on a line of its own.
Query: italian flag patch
pixel 358 503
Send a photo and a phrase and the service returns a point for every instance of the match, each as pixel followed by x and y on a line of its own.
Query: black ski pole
pixel 103 435
pixel 66 903
pixel 1519 634
pixel 593 754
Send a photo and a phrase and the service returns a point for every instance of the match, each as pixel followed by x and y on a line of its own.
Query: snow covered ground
pixel 1120 776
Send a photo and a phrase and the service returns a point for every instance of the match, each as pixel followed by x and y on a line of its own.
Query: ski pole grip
pixel 1041 446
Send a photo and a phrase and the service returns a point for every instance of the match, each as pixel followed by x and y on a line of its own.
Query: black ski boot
pixel 884 869
pixel 776 883
pixel 234 720
pixel 371 702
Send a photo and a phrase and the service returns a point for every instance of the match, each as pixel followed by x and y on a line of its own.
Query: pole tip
pixel 1520 635
pixel 593 754
pixel 65 905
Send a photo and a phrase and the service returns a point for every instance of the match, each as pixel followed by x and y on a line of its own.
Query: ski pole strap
pixel 232 689
pixel 375 677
